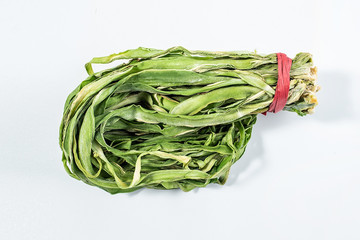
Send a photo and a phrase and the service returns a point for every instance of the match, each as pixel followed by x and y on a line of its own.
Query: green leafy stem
pixel 172 118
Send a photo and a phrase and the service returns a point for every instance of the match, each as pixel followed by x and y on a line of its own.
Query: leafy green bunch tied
pixel 172 118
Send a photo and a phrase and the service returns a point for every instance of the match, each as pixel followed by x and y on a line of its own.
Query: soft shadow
pixel 133 194
pixel 156 192
pixel 333 97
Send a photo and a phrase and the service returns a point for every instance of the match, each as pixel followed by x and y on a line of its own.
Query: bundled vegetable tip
pixel 172 118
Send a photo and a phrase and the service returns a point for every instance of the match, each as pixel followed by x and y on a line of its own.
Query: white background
pixel 299 178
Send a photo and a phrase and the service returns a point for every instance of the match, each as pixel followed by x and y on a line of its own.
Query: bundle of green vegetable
pixel 172 118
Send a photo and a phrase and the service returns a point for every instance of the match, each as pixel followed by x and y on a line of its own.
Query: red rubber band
pixel 283 83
